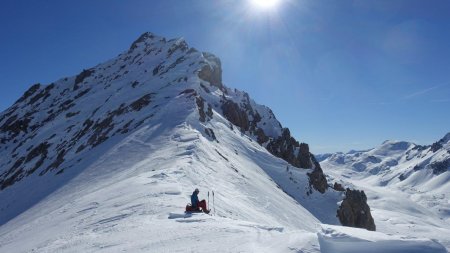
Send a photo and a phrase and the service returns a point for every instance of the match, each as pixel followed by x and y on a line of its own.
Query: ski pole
pixel 214 207
pixel 208 198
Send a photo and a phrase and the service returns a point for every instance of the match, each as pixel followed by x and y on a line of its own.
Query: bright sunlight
pixel 265 4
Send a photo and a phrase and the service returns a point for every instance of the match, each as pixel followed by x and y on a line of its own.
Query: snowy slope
pixel 408 185
pixel 107 205
pixel 54 132
pixel 106 161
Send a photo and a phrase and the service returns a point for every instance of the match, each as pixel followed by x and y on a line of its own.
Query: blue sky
pixel 340 74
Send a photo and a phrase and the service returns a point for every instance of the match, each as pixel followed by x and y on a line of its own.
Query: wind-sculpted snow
pixel 106 160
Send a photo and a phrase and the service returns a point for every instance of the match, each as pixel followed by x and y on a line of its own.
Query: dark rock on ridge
pixel 338 187
pixel 236 115
pixel 440 167
pixel 317 179
pixel 213 75
pixel 354 211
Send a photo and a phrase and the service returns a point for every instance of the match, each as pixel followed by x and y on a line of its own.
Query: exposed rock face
pixel 204 116
pixel 285 146
pixel 304 156
pixel 440 167
pixel 338 187
pixel 142 38
pixel 212 74
pixel 317 179
pixel 436 146
pixel 354 211
pixel 80 77
pixel 236 115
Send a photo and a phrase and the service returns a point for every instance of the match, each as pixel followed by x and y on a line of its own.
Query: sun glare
pixel 265 4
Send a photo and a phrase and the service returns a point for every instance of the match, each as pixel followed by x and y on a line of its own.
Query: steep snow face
pixel 140 185
pixel 408 186
pixel 132 198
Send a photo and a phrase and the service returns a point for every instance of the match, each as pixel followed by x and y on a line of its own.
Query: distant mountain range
pixel 406 184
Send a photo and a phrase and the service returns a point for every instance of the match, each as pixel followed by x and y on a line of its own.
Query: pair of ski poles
pixel 214 208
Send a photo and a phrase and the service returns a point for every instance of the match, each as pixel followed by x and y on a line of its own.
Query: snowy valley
pixel 408 185
pixel 105 161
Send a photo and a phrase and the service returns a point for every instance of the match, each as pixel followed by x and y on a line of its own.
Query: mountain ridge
pixel 105 103
pixel 116 151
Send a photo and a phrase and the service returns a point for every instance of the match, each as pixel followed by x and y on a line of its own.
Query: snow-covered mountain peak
pixel 391 147
pixel 53 132
pixel 117 149
pixel 446 139
pixel 396 145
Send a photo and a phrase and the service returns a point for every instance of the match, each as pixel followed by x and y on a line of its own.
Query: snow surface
pixel 136 204
pixel 128 193
pixel 404 200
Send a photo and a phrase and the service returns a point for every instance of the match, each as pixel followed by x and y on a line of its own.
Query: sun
pixel 265 4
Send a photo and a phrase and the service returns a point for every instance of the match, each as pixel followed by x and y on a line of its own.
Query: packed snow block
pixel 355 212
pixel 334 239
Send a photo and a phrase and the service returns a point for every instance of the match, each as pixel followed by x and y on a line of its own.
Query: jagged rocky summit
pixel 52 128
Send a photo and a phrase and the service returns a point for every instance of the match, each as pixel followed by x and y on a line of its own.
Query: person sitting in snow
pixel 197 204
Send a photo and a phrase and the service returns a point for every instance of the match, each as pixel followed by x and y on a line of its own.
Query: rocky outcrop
pixel 212 73
pixel 338 187
pixel 204 116
pixel 435 147
pixel 304 157
pixel 142 38
pixel 440 167
pixel 235 115
pixel 285 146
pixel 29 92
pixel 355 212
pixel 80 77
pixel 317 179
